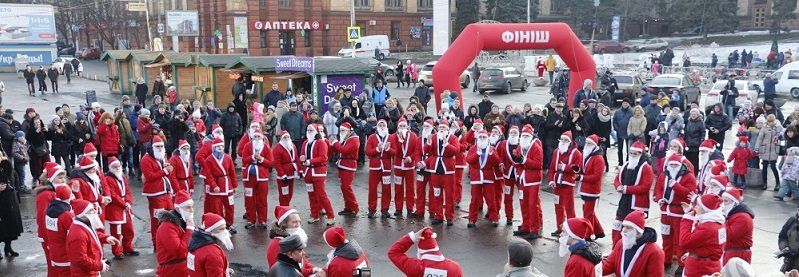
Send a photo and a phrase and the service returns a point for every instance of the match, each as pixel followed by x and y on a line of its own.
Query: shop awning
pixel 296 75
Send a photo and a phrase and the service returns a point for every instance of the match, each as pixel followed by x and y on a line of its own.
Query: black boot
pixel 10 252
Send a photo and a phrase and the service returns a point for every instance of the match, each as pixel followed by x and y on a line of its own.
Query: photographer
pixel 788 242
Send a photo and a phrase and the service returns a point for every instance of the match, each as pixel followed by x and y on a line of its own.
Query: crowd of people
pixel 52 73
pixel 83 162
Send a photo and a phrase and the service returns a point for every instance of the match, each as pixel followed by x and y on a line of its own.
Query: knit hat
pixel 19 134
pixel 157 141
pixel 291 243
pixel 89 149
pixel 709 202
pixel 636 220
pixel 81 207
pixel 734 194
pixel 53 169
pixel 190 123
pixel 211 221
pixel 144 112
pixel 567 135
pixel 708 145
pixel 578 228
pixel 283 212
pixel 638 146
pixel 335 237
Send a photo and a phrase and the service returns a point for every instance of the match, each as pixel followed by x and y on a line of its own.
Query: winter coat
pixel 277 233
pixel 286 267
pixel 719 121
pixel 592 170
pixel 766 144
pixel 676 125
pixel 790 168
pixel 108 135
pixel 85 249
pixel 141 91
pixel 126 138
pixel 423 93
pixel 316 153
pixel 739 227
pixel 156 181
pixel 740 157
pixel 329 121
pixel 183 172
pixel 294 124
pixel 145 129
pixel 158 88
pixel 61 142
pixel 770 86
pixel 704 244
pixel 256 170
pixel 231 124
pixel 205 257
pixel 651 113
pixel 527 271
pixel 345 259
pixel 52 74
pixel 59 219
pixel 11 226
pixel 646 261
pixel 36 140
pixel 119 191
pixel 694 133
pixel 637 127
pixel 272 98
pixel 584 258
pixel 429 264
pixel 172 244
pixel 7 135
pixel 564 167
pixel 684 184
pixel 555 130
pixel 488 120
pixel 219 174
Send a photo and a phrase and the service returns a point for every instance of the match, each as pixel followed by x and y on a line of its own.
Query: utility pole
pixel 147 19
pixel 593 25
pixel 528 11
pixel 352 24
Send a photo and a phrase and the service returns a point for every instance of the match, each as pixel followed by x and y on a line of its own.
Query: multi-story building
pixel 757 15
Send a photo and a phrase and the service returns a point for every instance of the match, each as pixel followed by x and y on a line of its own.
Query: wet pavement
pixel 480 251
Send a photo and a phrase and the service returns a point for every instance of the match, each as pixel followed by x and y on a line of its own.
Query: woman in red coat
pixel 347 146
pixel 108 135
pixel 85 243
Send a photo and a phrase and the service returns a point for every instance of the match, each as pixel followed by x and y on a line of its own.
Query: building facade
pixel 757 15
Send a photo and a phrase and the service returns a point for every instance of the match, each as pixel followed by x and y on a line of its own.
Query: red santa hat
pixel 513 128
pixel 734 194
pixel 283 212
pixel 86 163
pixel 482 133
pixel 211 221
pixel 743 139
pixel 183 199
pixel 81 207
pixel 527 129
pixel 401 121
pixel 567 135
pixel 719 169
pixel 444 123
pixel 89 149
pixel 708 145
pixel 182 143
pixel 578 228
pixel 258 133
pixel 500 128
pixel 709 202
pixel 477 121
pixel 284 133
pixel 675 158
pixel 430 122
pixel 458 124
pixel 344 126
pixel 112 161
pixel 381 121
pixel 720 180
pixel 157 141
pixel 593 139
pixel 638 146
pixel 680 142
pixel 217 142
pixel 427 242
pixel 636 220
pixel 216 127
pixel 335 237
pixel 64 193
pixel 53 169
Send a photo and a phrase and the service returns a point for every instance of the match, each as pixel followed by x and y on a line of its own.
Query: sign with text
pixel 331 83
pixel 136 7
pixel 33 57
pixel 182 23
pixel 264 25
pixel 292 63
pixel 27 24
pixel 240 32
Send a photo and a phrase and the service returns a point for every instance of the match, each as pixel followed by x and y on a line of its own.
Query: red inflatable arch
pixel 514 36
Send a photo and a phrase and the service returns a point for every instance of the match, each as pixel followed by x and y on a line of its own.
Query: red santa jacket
pixel 242 141
pixel 511 167
pixel 647 260
pixel 427 265
pixel 183 173
pixel 675 194
pixel 285 161
pixel 421 155
pixel 460 158
pixel 739 158
pixel 704 175
pixel 579 266
pixel 206 258
pixel 345 259
pixel 379 159
pixel 219 174
pixel 403 149
pixel 85 249
pixel 316 154
pixel 93 193
pixel 44 195
pixel 348 152
pixel 593 168
pixel 739 227
pixel 59 219
pixel 481 170
pixel 274 248
pixel 530 168
pixel 108 135
pixel 563 167
pixel 120 194
pixel 157 181
pixel 172 244
pixel 259 167
pixel 703 240
pixel 205 150
pixel 441 154
pixel 640 189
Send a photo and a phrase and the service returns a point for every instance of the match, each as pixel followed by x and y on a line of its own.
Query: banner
pixel 182 23
pixel 34 56
pixel 441 20
pixel 292 63
pixel 331 83
pixel 615 28
pixel 240 29
pixel 27 24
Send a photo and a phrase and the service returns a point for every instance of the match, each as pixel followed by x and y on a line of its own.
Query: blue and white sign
pixel 615 28
pixel 35 57
pixel 27 24
pixel 292 63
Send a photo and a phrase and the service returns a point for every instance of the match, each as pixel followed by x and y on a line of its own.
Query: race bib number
pixel 284 190
pixel 51 224
pixel 156 212
pixel 419 177
pixel 521 194
pixel 506 190
pixel 397 180
pixel 248 192
pixel 230 200
pixel 665 230
pixel 616 225
pixel 437 192
pixel 387 180
pixel 722 236
pixel 190 261
pixel 557 200
pixel 309 187
pixel 434 272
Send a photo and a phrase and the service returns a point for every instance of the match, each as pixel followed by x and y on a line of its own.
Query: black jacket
pixel 423 93
pixel 61 141
pixel 7 136
pixel 553 130
pixel 294 123
pixel 230 123
pixel 271 98
pixel 718 121
pixel 29 75
pixel 484 107
pixel 141 91
pixel 285 267
pixel 694 133
pixel 591 251
pixel 52 73
pixel 200 238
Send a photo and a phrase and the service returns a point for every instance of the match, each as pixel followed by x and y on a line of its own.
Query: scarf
pixel 604 118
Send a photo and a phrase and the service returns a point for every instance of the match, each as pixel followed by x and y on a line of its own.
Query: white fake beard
pixel 588 149
pixel 186 216
pixel 632 163
pixel 117 173
pixel 220 136
pixel 252 131
pixel 258 145
pixel 526 142
pixel 311 135
pixel 563 248
pixel 330 256
pixel 628 239
pixel 286 143
pixel 342 135
pixel 513 140
pixel 224 238
pixel 159 154
pixel 299 232
pixel 482 144
pixel 95 178
pixel 403 133
pixel 669 153
pixel 382 131
pixel 95 222
pixel 442 134
pixel 673 172
pixel 185 154
pixel 493 139
pixel 563 147
pixel 703 159
pixel 426 132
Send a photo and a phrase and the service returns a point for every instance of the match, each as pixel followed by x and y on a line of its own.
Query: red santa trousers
pixel 564 204
pixel 50 267
pixel 458 189
pixel 506 193
pixel 285 191
pixel 317 196
pixel 350 202
pixel 58 271
pixel 124 233
pixel 421 194
pixel 404 189
pixel 157 203
pixel 530 205
pixel 588 213
pixel 479 193
pixel 378 178
pixel 743 254
pixel 670 231
pixel 255 194
pixel 221 205
pixel 442 201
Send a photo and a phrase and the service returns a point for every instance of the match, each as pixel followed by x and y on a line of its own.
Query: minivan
pixel 366 47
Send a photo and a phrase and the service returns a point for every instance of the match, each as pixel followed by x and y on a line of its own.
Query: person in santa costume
pixel 583 255
pixel 495 139
pixel 530 157
pixel 221 183
pixel 482 159
pixel 256 160
pixel 59 219
pixel 672 188
pixel 470 136
pixel 739 224
pixel 429 260
pixel 313 159
pixel 85 243
pixel 456 129
pixel 381 155
pixel 92 185
pixel 172 238
pixel 207 146
pixel 182 163
pixel 638 254
pixel 347 146
pixel 346 257
pixel 405 144
pixel 255 126
pixel 740 161
pixel 45 194
pixel 119 212
pixel 563 168
pixel 717 185
pixel 633 181
pixel 677 146
pixel 158 179
pixel 206 257
pixel 709 156
pixel 442 149
pixel 702 236
pixel 286 159
pixel 590 180
pixel 88 151
pixel 509 167
pixel 422 173
pixel 287 223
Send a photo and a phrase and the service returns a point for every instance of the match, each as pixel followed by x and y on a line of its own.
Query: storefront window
pixel 395 29
pixel 261 4
pixel 262 38
pixel 306 35
pixel 284 3
pixel 236 5
pixel 362 3
pixel 393 4
pixel 425 4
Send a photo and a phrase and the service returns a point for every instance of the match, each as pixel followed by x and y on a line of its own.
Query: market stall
pixel 210 72
pixel 331 73
pixel 120 79
pixel 258 74
pixel 138 67
pixel 182 68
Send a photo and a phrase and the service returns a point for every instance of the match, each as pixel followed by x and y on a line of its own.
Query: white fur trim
pixel 184 204
pixel 632 225
pixel 636 149
pixel 569 231
pixel 216 225
pixel 286 215
pixel 732 198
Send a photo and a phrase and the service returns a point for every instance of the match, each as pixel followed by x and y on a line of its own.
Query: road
pixel 480 251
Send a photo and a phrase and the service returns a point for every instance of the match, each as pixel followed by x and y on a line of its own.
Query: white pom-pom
pixel 434 235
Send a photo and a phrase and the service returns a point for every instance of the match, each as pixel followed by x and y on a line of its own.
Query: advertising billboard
pixel 182 23
pixel 27 24
pixel 331 83
pixel 32 55
pixel 240 30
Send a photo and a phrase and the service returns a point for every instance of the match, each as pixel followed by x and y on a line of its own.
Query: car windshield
pixel 492 72
pixel 624 79
pixel 666 81
pixel 427 67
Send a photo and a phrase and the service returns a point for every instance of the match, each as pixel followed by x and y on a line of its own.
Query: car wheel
pixel 389 73
pixel 508 88
pixel 524 86
pixel 795 92
pixel 465 84
pixel 381 56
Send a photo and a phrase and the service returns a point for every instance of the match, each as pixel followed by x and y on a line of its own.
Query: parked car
pixel 366 47
pixel 69 51
pixel 788 86
pixel 504 79
pixel 90 54
pixel 665 83
pixel 426 75
pixel 58 63
pixel 651 44
pixel 603 47
pixel 747 90
pixel 629 87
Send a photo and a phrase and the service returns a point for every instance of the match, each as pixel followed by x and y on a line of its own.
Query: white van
pixel 366 47
pixel 788 86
